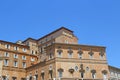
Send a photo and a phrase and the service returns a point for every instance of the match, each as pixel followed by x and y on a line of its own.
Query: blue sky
pixel 94 22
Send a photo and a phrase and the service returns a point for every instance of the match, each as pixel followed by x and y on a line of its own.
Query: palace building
pixel 55 56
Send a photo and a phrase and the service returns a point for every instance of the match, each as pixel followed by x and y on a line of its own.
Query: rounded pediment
pixel 91 53
pixel 70 51
pixel 80 52
pixel 101 53
pixel 60 69
pixel 71 70
pixel 59 50
pixel 93 71
pixel 104 71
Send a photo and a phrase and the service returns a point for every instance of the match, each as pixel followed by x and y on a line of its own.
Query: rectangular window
pixel 91 56
pixel 15 64
pixel 60 74
pixel 93 75
pixel 7 46
pixel 50 56
pixel 23 57
pixel 4 78
pixel 32 52
pixel 32 59
pixel 101 57
pixel 104 76
pixel 70 55
pixel 24 64
pixel 6 62
pixel 59 54
pixel 24 50
pixel 6 54
pixel 15 56
pixel 16 48
pixel 14 78
pixel 80 56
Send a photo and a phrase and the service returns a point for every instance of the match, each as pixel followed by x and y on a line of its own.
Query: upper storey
pixel 61 35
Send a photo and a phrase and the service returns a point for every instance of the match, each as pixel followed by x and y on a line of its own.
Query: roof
pixel 14 43
pixel 54 32
pixel 29 39
pixel 47 34
pixel 113 67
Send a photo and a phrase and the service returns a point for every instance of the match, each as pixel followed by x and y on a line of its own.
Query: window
pixel 6 62
pixel 15 63
pixel 24 50
pixel 7 46
pixel 42 75
pixel 16 48
pixel 15 56
pixel 101 56
pixel 60 74
pixel 104 76
pixel 6 54
pixel 80 56
pixel 69 55
pixel 30 77
pixel 23 57
pixel 50 56
pixel 14 78
pixel 66 41
pixel 36 77
pixel 93 75
pixel 4 78
pixel 24 64
pixel 82 74
pixel 32 59
pixel 76 68
pixel 87 68
pixel 91 56
pixel 32 52
pixel 59 54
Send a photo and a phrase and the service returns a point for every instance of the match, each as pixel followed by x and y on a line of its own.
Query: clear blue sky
pixel 94 22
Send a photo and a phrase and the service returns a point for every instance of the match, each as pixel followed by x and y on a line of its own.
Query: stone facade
pixel 114 73
pixel 56 56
